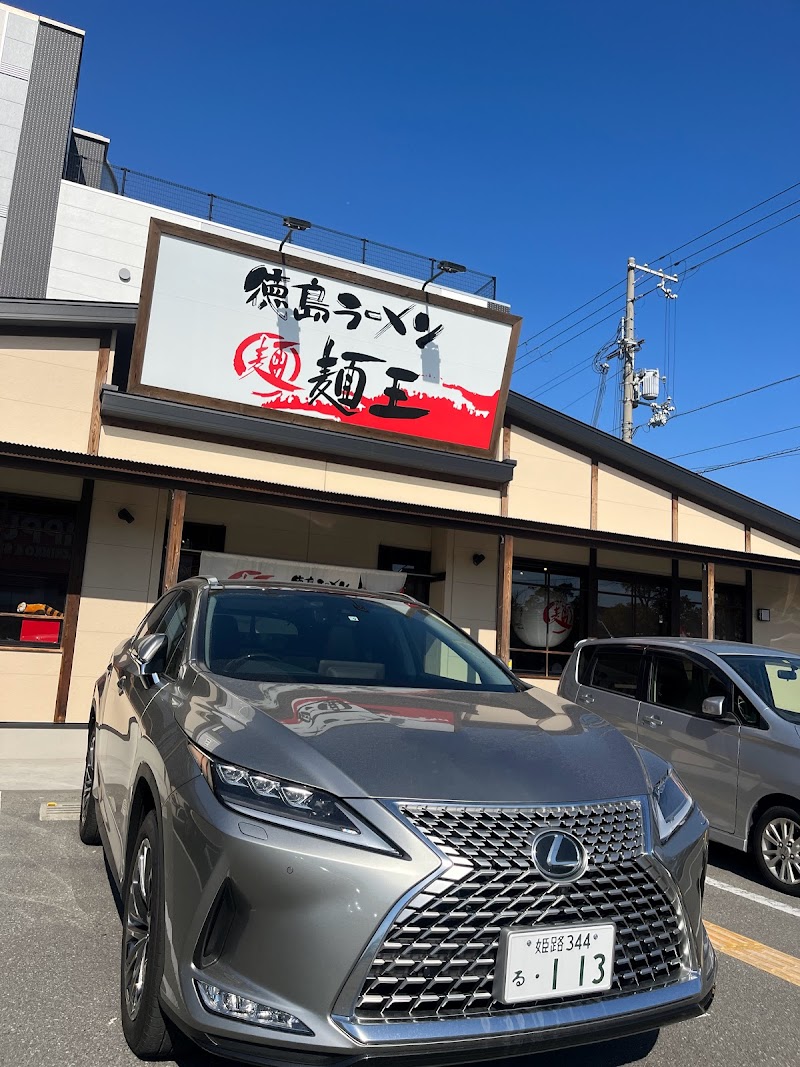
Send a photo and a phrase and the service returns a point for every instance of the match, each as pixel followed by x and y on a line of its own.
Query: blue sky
pixel 541 142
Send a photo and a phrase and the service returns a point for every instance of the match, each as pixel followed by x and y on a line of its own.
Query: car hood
pixel 523 747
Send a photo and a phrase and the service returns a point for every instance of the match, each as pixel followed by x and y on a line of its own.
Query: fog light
pixel 223 1002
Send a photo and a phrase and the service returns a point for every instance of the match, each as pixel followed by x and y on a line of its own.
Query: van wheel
pixel 142 964
pixel 87 819
pixel 776 848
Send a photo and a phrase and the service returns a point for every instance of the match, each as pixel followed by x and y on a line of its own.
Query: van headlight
pixel 672 805
pixel 297 807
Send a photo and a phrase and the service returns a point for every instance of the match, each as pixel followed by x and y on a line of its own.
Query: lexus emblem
pixel 558 856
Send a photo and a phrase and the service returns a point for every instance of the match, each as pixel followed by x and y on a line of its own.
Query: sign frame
pixel 159 227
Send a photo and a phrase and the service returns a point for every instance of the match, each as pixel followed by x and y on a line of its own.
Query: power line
pixel 724 252
pixel 741 229
pixel 738 441
pixel 727 222
pixel 535 359
pixel 591 326
pixel 678 248
pixel 753 459
pixel 736 396
pixel 575 311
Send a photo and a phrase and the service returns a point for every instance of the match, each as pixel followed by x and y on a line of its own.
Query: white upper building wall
pixel 100 233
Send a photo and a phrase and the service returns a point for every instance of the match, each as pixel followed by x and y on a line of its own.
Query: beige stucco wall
pixel 628 506
pixel 700 526
pixel 46 390
pixel 272 468
pixel 781 594
pixel 770 546
pixel 28 684
pixel 120 580
pixel 550 484
pixel 468 596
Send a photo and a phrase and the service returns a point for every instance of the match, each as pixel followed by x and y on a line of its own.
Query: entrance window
pixel 547 618
pixel 198 537
pixel 415 563
pixel 36 540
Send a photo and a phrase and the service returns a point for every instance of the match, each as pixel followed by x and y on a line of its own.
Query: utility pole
pixel 629 346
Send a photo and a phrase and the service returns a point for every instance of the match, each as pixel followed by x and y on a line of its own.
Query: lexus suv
pixel 343 831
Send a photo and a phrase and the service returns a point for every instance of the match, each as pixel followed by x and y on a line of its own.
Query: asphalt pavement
pixel 60 933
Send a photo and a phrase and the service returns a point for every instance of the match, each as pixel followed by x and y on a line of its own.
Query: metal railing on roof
pixel 226 212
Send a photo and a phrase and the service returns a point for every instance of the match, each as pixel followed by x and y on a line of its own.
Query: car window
pixel 309 636
pixel 776 679
pixel 150 623
pixel 173 624
pixel 682 684
pixel 616 670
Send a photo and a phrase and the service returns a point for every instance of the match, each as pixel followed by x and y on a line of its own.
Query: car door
pixel 704 751
pixel 610 684
pixel 127 700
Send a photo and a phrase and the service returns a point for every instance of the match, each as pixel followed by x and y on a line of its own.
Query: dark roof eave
pixel 67 313
pixel 201 423
pixel 536 418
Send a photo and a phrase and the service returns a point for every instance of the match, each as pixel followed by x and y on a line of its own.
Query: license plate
pixel 554 961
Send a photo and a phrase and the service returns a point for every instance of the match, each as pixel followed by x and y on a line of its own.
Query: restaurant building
pixel 190 385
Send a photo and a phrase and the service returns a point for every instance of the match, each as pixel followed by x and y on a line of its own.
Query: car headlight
pixel 297 807
pixel 672 805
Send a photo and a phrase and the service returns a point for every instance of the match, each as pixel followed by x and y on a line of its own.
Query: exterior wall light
pixel 292 224
pixel 445 266
pixel 125 515
pixel 478 558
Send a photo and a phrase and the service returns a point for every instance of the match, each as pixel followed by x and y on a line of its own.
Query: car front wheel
pixel 143 1021
pixel 87 819
pixel 776 848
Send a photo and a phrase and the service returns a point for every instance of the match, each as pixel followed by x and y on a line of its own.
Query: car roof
pixel 209 582
pixel 718 648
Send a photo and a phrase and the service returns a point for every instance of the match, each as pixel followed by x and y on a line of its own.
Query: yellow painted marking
pixel 757 955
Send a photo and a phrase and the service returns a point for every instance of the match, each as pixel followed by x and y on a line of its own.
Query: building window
pixel 36 543
pixel 630 605
pixel 547 618
pixel 729 611
pixel 198 537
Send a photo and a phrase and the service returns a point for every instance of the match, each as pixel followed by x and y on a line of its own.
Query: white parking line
pixel 778 905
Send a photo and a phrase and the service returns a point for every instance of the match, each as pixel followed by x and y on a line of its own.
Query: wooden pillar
pixel 103 358
pixel 593 495
pixel 708 600
pixel 69 627
pixel 506 557
pixel 175 514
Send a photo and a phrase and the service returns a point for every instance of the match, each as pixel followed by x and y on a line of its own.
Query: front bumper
pixel 304 910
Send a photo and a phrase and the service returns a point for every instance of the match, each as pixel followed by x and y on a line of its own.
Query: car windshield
pixel 310 637
pixel 775 678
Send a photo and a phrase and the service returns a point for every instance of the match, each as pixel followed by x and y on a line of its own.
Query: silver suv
pixel 726 716
pixel 343 831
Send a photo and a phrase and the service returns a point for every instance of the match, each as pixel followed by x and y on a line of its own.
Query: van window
pixel 616 670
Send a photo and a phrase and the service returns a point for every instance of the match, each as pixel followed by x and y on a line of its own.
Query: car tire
pixel 87 818
pixel 142 957
pixel 775 845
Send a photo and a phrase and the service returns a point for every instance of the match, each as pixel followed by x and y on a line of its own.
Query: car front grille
pixel 437 959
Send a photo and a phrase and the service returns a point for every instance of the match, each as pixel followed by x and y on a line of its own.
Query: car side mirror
pixel 714 707
pixel 146 654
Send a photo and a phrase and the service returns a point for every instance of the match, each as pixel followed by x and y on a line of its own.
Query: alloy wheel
pixel 780 849
pixel 137 927
pixel 88 778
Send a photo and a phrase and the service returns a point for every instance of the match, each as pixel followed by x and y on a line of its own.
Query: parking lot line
pixel 757 955
pixel 778 905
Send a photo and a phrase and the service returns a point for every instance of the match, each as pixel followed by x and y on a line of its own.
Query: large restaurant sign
pixel 244 328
